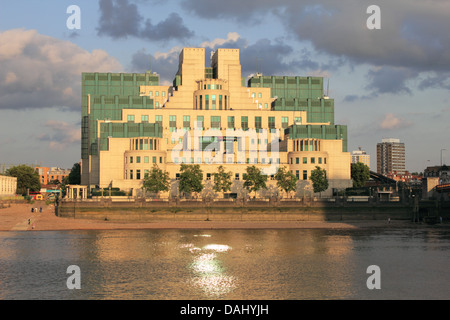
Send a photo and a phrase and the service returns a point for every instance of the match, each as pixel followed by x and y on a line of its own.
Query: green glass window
pixel 215 122
pixel 173 123
pixel 199 122
pixel 258 123
pixel 244 122
pixel 271 122
pixel 230 122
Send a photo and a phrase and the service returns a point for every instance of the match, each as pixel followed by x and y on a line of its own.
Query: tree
pixel 254 180
pixel 27 178
pixel 156 180
pixel 360 173
pixel 319 179
pixel 75 174
pixel 286 180
pixel 191 178
pixel 222 180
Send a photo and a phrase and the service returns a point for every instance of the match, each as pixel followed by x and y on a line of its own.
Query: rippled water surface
pixel 227 264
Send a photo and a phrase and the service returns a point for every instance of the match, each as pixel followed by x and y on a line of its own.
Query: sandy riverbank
pixel 18 217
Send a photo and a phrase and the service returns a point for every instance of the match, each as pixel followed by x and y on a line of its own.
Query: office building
pixel 391 157
pixel 361 156
pixel 210 116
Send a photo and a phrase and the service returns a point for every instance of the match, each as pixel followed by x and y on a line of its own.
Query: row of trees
pixel 28 179
pixel 191 180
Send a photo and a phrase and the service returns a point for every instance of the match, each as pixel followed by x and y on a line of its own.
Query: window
pixel 160 160
pixel 244 123
pixel 144 118
pixel 131 159
pixel 186 122
pixel 297 174
pixel 208 176
pixel 206 101
pixel 298 120
pixel 163 93
pixel 259 95
pixel 154 160
pixel 257 123
pixel 305 160
pixel 284 122
pixel 130 118
pixel 215 122
pixel 145 159
pixel 220 102
pixel 305 175
pixel 230 122
pixel 213 101
pixel 138 159
pixel 157 93
pixel 297 160
pixel 313 160
pixel 320 160
pixel 156 104
pixel 158 120
pixel 271 122
pixel 173 123
pixel 138 174
pixel 236 176
pixel 200 122
pixel 131 174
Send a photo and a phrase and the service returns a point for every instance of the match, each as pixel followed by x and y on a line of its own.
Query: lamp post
pixel 441 155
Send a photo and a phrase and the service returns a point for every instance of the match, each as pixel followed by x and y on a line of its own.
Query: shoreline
pixel 18 217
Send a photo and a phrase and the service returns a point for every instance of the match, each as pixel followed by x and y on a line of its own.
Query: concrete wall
pixel 234 211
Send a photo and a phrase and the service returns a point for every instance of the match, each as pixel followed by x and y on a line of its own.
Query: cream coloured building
pixel 8 185
pixel 209 116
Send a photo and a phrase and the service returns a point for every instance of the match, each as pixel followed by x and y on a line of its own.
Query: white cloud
pixel 391 121
pixel 231 37
pixel 40 71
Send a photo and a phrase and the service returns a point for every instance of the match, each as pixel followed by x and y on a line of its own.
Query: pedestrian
pixel 389 220
pixel 29 221
pixel 40 209
pixel 32 209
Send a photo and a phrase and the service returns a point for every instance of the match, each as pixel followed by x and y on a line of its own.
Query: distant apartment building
pixel 391 157
pixel 361 156
pixel 48 174
pixel 8 185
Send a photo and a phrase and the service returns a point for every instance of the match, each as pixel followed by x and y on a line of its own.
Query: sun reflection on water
pixel 209 273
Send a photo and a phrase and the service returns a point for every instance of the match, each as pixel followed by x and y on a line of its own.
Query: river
pixel 274 264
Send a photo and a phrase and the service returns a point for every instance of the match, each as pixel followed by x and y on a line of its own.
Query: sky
pixel 392 81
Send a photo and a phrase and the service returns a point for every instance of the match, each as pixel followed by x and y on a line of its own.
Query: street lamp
pixel 441 155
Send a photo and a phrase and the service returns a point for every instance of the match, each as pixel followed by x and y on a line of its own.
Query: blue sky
pixel 388 83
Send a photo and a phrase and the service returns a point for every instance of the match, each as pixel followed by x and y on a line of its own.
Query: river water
pixel 274 264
